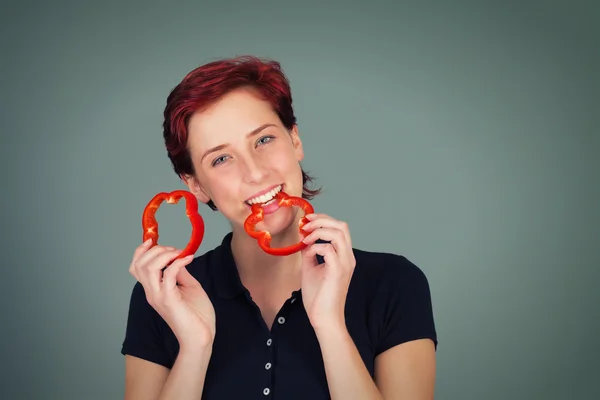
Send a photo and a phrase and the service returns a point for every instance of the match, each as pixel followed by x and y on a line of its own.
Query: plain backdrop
pixel 463 135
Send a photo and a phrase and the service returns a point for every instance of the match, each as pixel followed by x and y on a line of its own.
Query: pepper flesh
pixel 150 224
pixel 264 237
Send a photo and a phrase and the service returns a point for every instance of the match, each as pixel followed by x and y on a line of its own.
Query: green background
pixel 463 135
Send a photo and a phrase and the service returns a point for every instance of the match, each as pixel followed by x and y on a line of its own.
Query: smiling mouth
pixel 266 198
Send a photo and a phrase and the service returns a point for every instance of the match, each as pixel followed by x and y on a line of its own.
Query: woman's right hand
pixel 175 294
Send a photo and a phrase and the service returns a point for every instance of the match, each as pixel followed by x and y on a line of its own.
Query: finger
pixel 309 259
pixel 170 274
pixel 152 273
pixel 141 249
pixel 184 278
pixel 151 254
pixel 326 250
pixel 323 221
pixel 138 263
pixel 335 236
pixel 317 215
pixel 157 267
pixel 146 258
pixel 323 217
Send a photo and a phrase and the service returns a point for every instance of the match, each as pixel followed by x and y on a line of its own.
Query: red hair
pixel 206 84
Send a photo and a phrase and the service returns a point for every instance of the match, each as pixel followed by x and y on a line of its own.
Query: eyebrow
pixel 225 145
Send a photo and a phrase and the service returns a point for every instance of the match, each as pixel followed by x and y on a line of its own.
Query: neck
pixel 258 268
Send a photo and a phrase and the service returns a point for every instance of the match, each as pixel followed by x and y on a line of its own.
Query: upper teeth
pixel 265 197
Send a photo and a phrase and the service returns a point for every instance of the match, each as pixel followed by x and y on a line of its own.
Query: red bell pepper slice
pixel 150 225
pixel 264 237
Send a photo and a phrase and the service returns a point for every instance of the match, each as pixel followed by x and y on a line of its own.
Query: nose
pixel 253 171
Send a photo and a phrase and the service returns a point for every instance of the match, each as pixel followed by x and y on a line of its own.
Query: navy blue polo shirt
pixel 388 303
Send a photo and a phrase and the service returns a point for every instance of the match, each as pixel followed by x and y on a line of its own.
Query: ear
pixel 195 188
pixel 297 143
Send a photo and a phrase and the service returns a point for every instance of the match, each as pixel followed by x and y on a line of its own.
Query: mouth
pixel 265 198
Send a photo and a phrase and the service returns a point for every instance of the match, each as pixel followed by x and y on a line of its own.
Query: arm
pixel 149 381
pixel 186 379
pixel 143 379
pixel 178 303
pixel 407 371
pixel 404 372
pixel 347 376
pixel 400 318
pixel 405 361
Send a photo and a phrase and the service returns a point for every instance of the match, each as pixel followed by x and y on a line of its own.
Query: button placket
pixel 268 366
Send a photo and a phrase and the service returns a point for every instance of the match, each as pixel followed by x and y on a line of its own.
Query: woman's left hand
pixel 325 286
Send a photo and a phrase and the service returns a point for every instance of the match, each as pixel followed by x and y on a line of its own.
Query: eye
pixel 264 140
pixel 218 161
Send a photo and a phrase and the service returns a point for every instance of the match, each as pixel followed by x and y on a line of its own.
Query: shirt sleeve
pixel 144 337
pixel 402 305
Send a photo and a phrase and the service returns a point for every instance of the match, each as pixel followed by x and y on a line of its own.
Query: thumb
pixel 184 278
pixel 309 256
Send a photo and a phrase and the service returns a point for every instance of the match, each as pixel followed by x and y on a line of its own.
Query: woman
pixel 329 321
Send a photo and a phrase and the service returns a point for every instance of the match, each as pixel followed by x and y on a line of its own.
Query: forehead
pixel 229 119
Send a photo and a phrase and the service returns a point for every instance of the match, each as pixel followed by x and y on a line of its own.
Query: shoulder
pixel 380 269
pixel 398 298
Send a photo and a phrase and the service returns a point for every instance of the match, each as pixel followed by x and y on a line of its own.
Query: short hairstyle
pixel 206 84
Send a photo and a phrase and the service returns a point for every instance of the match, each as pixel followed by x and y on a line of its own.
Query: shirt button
pixel 269 342
pixel 266 391
pixel 268 366
pixel 281 320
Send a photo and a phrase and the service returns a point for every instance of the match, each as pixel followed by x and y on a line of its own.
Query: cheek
pixel 289 167
pixel 223 187
pixel 284 159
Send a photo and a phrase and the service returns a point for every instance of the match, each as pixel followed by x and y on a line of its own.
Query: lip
pixel 267 190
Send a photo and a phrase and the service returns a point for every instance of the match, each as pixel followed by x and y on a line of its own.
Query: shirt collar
pixel 227 277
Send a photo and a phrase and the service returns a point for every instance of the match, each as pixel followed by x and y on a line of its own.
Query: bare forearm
pixel 347 375
pixel 186 379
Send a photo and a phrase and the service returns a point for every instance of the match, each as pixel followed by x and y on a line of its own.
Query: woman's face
pixel 240 149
